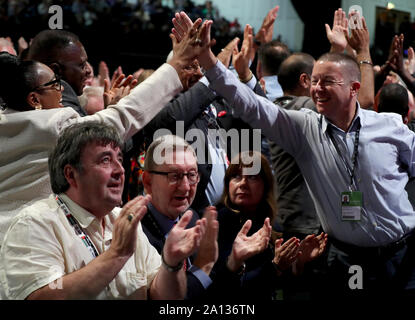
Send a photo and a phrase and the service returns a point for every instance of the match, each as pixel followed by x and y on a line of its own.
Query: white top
pixel 41 246
pixel 26 138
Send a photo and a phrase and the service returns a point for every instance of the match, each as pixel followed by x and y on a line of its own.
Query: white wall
pixel 288 24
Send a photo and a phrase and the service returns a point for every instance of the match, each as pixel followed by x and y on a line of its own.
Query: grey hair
pixel 70 145
pixel 161 146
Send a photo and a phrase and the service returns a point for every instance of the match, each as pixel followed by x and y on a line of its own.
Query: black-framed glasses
pixel 54 84
pixel 175 177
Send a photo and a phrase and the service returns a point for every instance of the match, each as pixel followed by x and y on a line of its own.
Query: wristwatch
pixel 169 267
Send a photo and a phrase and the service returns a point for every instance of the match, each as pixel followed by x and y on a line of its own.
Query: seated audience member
pixel 249 196
pixel 28 131
pixel 77 245
pixel 171 178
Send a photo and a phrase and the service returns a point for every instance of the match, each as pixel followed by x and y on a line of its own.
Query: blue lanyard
pixel 77 228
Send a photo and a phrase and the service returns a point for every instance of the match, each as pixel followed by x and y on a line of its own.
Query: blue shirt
pixel 273 88
pixel 166 225
pixel 385 160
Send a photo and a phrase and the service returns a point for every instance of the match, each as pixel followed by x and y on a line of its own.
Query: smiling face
pixel 73 66
pixel 191 74
pixel 100 182
pixel 48 92
pixel 330 88
pixel 172 199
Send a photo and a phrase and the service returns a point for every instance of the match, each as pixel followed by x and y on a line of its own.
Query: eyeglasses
pixel 249 178
pixel 54 84
pixel 174 177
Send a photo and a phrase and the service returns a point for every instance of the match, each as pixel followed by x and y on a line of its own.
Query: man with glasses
pixel 77 244
pixel 171 178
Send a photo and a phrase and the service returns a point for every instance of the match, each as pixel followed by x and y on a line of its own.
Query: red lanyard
pixel 77 228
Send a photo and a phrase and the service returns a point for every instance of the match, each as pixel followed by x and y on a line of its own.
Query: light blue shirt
pixel 273 88
pixel 386 158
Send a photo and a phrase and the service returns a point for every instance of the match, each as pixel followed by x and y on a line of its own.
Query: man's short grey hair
pixel 157 151
pixel 70 146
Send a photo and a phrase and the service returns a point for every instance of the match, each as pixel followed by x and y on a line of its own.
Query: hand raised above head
pixel 191 41
pixel 266 30
pixel 359 38
pixel 241 59
pixel 337 35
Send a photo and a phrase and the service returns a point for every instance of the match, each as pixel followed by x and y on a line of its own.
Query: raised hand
pixel 245 247
pixel 182 243
pixel 266 30
pixel 103 73
pixel 208 252
pixel 337 35
pixel 241 59
pixel 285 254
pixel 195 41
pixel 359 38
pixel 226 53
pixel 119 89
pixel 410 63
pixel 124 234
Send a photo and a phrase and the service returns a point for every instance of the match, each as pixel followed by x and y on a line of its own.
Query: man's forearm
pixel 168 285
pixel 87 282
pixel 366 95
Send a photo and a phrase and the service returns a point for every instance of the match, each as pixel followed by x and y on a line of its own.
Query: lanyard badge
pixel 352 200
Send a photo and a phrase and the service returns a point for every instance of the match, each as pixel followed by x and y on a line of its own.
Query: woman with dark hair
pixel 249 195
pixel 33 118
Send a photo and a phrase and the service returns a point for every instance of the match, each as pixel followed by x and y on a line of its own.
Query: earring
pixel 38 107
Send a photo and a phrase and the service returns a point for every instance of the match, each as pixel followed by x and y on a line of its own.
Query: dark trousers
pixel 355 272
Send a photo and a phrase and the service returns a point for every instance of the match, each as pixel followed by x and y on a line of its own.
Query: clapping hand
pixel 244 247
pixel 181 242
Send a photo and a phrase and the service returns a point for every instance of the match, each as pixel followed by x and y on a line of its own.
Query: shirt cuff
pixel 205 81
pixel 251 83
pixel 201 276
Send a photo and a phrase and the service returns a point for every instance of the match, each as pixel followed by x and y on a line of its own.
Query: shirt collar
pixel 164 222
pixel 358 119
pixel 84 217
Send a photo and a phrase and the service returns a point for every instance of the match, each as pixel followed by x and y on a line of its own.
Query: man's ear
pixel 71 175
pixel 354 89
pixel 147 182
pixel 304 80
pixel 56 68
pixel 32 100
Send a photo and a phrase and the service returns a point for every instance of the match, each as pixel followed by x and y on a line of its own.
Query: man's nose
pixel 184 183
